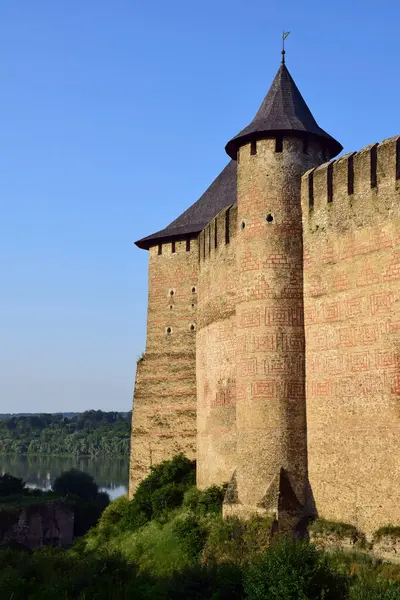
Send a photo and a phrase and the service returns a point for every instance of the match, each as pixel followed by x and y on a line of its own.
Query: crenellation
pixel 363 171
pixel 214 236
pixel 387 157
pixel 320 185
pixel 273 336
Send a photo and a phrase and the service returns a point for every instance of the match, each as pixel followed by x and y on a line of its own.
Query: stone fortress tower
pixel 272 352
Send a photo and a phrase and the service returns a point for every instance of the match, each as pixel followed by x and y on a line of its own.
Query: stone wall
pixel 216 367
pixel 164 404
pixel 351 228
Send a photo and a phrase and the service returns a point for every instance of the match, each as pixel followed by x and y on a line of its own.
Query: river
pixel 110 474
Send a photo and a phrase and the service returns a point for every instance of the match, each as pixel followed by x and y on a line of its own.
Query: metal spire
pixel 284 36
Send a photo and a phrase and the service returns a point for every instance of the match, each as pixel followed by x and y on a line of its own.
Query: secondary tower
pixel 281 143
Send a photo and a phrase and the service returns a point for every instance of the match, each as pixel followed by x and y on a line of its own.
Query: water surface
pixel 110 474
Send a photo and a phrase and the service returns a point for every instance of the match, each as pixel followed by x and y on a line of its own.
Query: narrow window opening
pixel 398 158
pixel 269 218
pixel 171 292
pixel 187 245
pixel 253 147
pixel 170 306
pixel 305 145
pixel 159 249
pixel 242 224
pixel 279 144
pixel 373 153
pixel 350 175
pixel 193 290
pixel 192 327
pixel 311 190
pixel 173 249
pixel 215 234
pixel 330 182
pixel 169 330
pixel 192 304
pixel 227 227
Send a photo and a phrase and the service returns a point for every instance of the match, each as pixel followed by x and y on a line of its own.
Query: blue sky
pixel 114 117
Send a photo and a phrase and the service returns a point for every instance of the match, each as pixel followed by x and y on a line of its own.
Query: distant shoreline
pixel 66 455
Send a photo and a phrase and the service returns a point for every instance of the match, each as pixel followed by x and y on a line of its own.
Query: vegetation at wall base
pixel 389 531
pixel 341 530
pixel 170 542
pixel 91 433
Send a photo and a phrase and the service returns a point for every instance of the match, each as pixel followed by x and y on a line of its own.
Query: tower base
pixel 279 501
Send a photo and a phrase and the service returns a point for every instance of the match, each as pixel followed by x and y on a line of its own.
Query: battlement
pixel 167 249
pixel 340 187
pixel 218 233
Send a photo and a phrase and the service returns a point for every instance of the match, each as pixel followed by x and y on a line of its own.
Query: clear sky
pixel 114 117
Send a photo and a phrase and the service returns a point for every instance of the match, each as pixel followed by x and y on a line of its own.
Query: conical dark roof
pixel 282 111
pixel 221 193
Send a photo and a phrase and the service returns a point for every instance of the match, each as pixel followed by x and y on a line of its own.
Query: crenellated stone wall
pixel 325 433
pixel 351 228
pixel 215 351
pixel 164 403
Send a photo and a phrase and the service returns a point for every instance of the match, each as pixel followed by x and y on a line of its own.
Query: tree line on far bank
pixel 90 433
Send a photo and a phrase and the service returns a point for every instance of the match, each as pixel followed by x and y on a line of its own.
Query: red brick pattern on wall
pixel 216 343
pixel 270 409
pixel 352 316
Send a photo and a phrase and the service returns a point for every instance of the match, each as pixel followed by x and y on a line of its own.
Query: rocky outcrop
pixel 36 525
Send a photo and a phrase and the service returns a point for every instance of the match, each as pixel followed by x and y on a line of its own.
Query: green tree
pixel 76 483
pixel 10 485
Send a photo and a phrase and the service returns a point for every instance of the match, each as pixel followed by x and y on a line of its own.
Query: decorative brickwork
pixel 270 412
pixel 216 347
pixel 283 379
pixel 352 339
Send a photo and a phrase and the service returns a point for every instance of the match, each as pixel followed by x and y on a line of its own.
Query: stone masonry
pixel 273 334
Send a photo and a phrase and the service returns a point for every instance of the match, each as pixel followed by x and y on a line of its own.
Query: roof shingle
pixel 283 110
pixel 221 193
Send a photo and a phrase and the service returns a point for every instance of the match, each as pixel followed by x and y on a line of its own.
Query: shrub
pixel 76 483
pixel 10 485
pixel 235 541
pixel 166 498
pixel 113 514
pixel 191 535
pixel 46 574
pixel 218 582
pixel 293 571
pixel 87 513
pixel 205 501
pixel 162 490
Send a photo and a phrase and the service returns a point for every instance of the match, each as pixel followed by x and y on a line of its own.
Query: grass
pixel 322 527
pixel 387 530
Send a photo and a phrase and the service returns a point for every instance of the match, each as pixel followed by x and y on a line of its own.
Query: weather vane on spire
pixel 284 36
